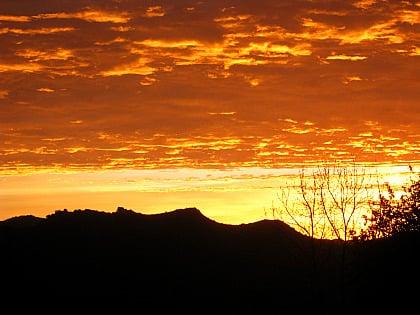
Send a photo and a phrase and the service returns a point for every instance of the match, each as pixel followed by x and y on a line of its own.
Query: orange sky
pixel 137 85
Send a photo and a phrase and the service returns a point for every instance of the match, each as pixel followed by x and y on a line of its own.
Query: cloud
pixel 42 31
pixel 346 57
pixel 349 79
pixel 154 11
pixel 315 30
pixel 25 68
pixel 127 85
pixel 89 16
pixel 169 44
pixel 15 18
pixel 148 81
pixel 45 90
pixel 3 94
pixel 326 12
pixel 364 4
pixel 138 67
pixel 415 51
pixel 223 113
pixel 409 16
pixel 38 55
pixel 121 28
pixel 192 52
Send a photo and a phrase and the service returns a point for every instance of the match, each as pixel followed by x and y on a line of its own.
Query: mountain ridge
pixel 189 214
pixel 182 254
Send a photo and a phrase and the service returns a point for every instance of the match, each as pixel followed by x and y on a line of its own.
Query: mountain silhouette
pixel 183 257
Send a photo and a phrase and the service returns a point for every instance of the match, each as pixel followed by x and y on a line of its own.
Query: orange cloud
pixel 37 55
pixel 3 94
pixel 169 44
pixel 89 16
pixel 273 50
pixel 42 31
pixel 327 12
pixel 409 16
pixel 315 30
pixel 28 67
pixel 140 67
pixel 364 4
pixel 415 51
pixel 223 113
pixel 225 87
pixel 233 22
pixel 121 28
pixel 15 18
pixel 154 11
pixel 349 79
pixel 45 90
pixel 346 57
pixel 382 31
pixel 147 81
pixel 192 52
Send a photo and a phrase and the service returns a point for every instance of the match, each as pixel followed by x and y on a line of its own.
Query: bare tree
pixel 329 202
pixel 299 206
pixel 345 202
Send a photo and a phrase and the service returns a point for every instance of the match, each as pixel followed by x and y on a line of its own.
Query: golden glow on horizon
pixel 268 85
pixel 230 196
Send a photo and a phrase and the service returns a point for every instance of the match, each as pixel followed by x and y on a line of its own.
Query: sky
pixel 110 95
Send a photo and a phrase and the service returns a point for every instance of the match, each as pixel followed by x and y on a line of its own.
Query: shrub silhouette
pixel 390 215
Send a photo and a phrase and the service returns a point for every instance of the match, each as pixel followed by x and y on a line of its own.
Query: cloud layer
pixel 156 84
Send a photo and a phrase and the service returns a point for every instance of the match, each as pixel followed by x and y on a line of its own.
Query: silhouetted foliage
pixel 391 215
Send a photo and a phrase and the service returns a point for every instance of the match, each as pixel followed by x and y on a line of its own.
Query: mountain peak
pixel 185 214
pixel 186 211
pixel 122 210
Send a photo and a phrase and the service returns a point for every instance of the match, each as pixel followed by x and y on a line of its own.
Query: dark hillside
pixel 182 255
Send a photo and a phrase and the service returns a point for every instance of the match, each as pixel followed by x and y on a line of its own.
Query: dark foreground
pixel 181 258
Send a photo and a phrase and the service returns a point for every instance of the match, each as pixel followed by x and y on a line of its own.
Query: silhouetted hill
pixel 182 257
pixel 22 221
